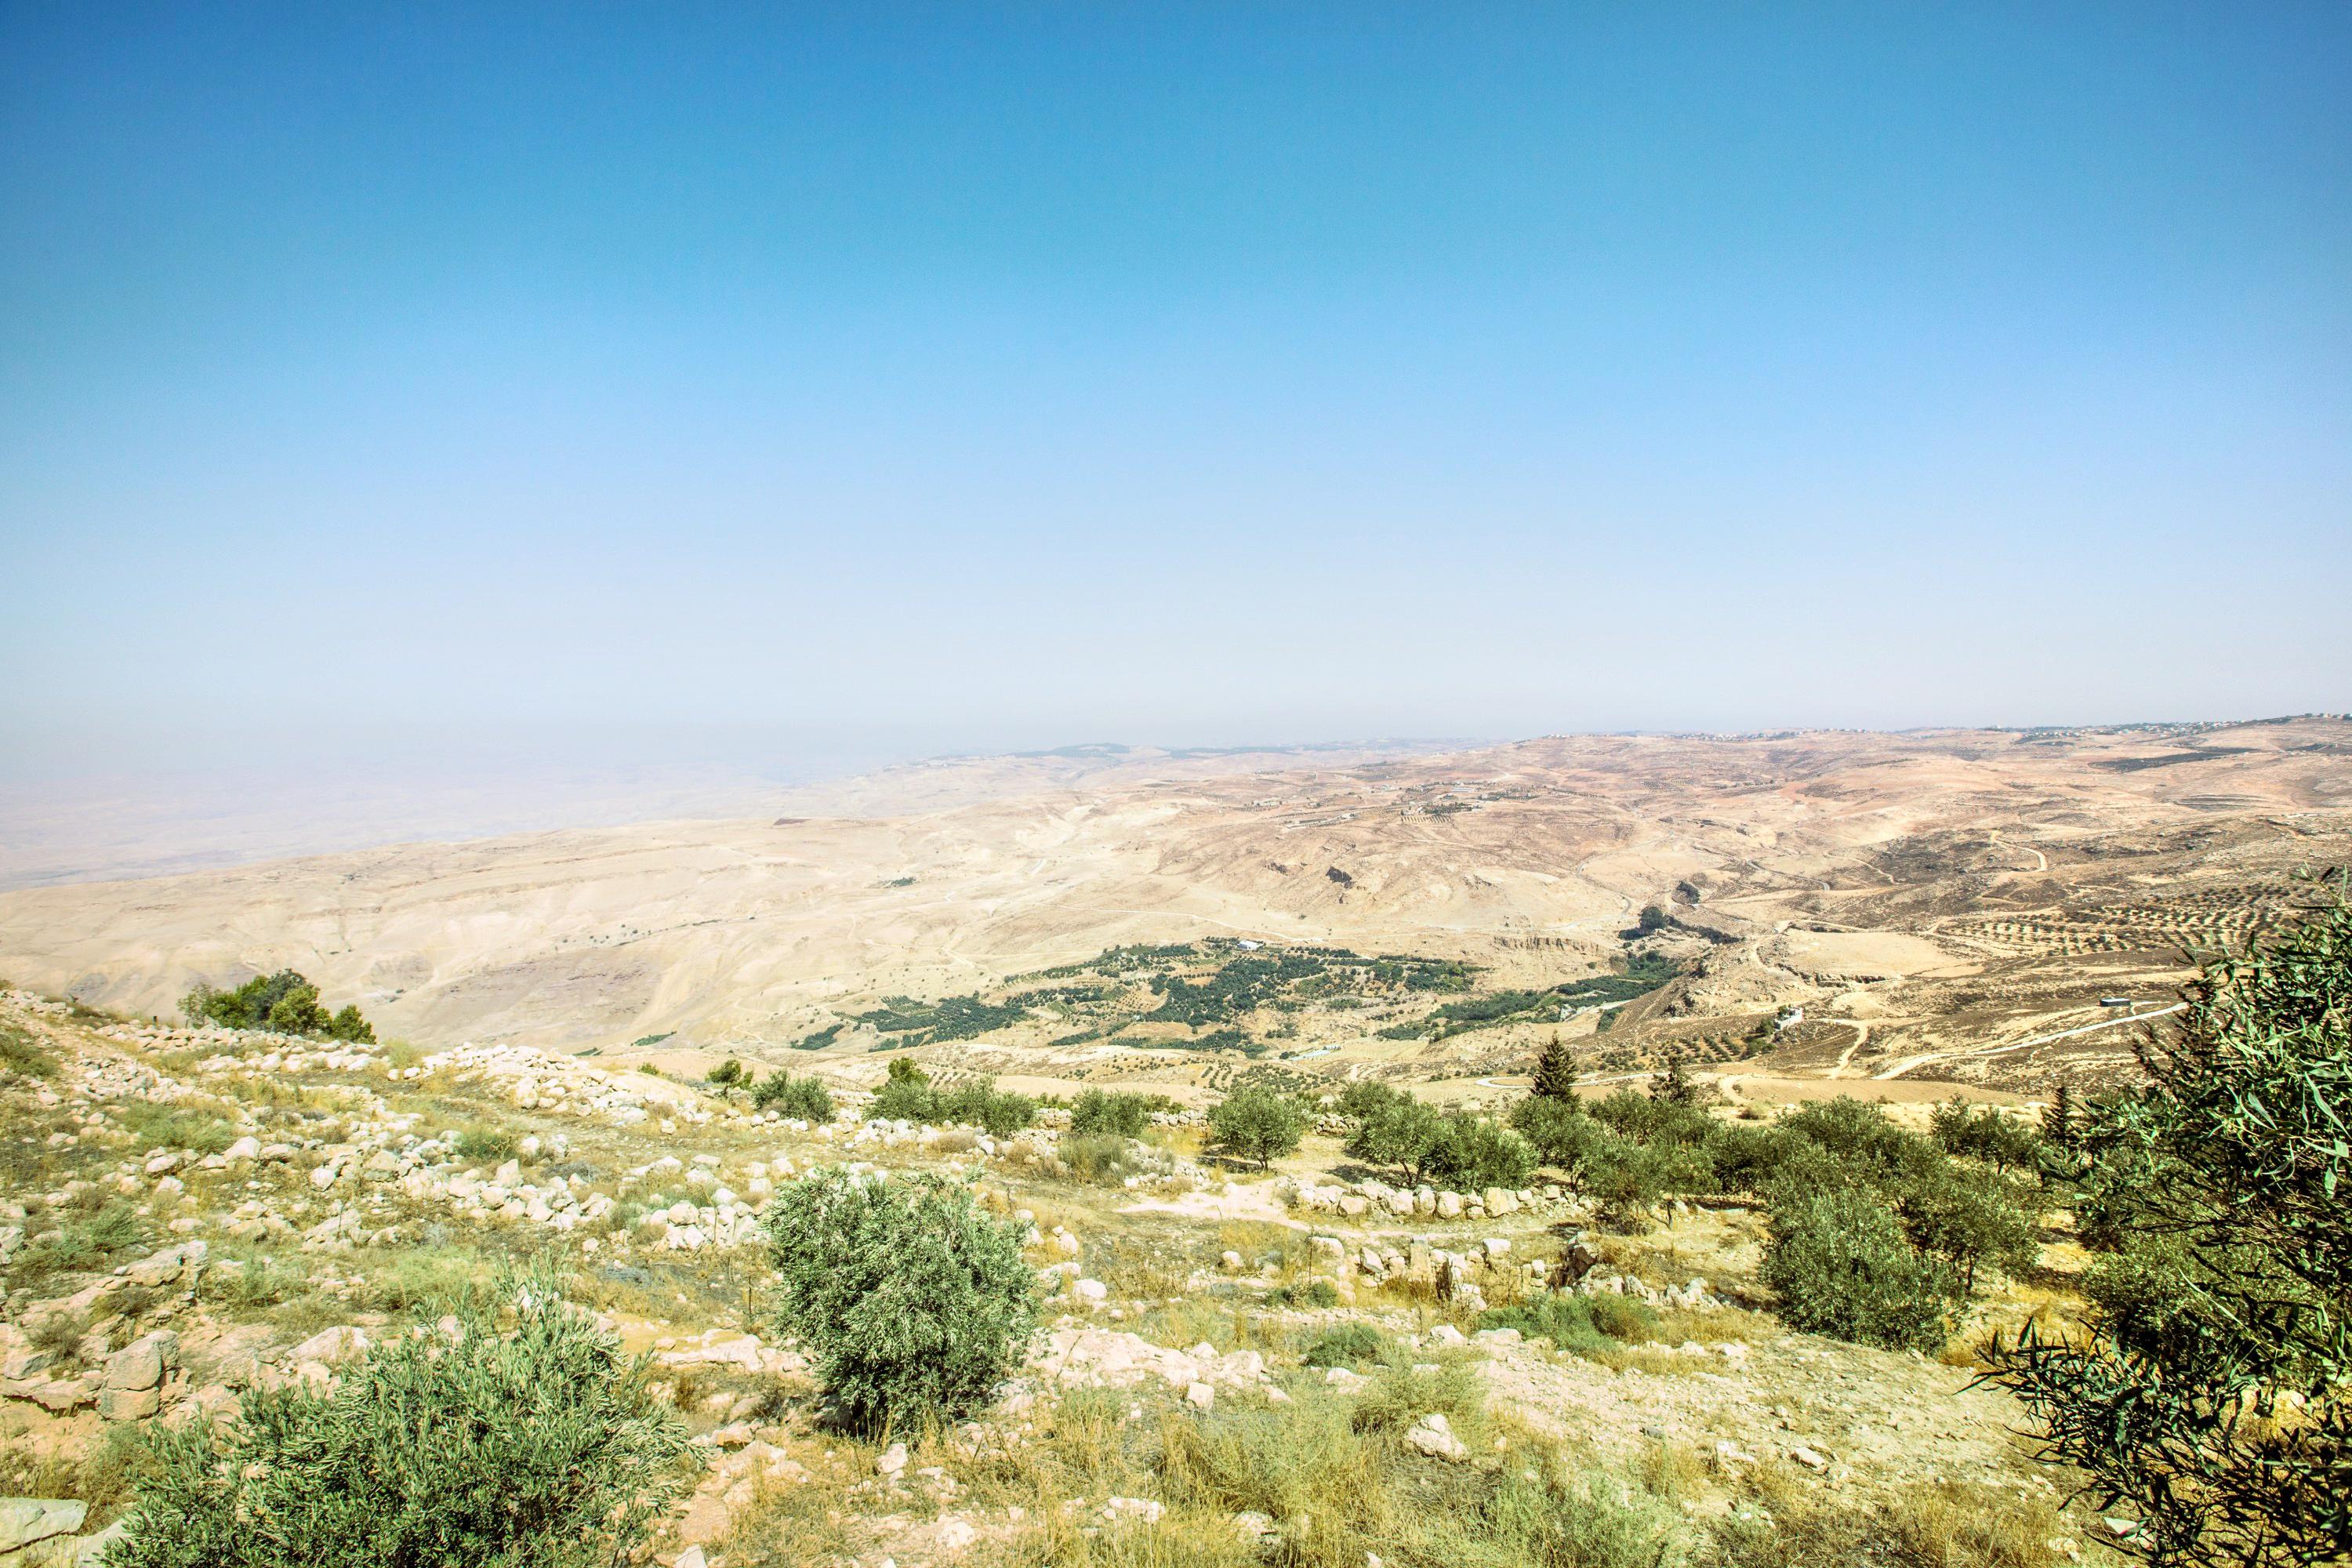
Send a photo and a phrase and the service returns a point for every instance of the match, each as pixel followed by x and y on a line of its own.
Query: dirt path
pixel 1845 1057
pixel 1977 1053
pixel 2041 861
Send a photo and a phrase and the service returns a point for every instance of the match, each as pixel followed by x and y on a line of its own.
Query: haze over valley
pixel 1929 899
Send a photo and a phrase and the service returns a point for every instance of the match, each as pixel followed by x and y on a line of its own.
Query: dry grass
pixel 787 1525
pixel 1789 1525
pixel 100 1475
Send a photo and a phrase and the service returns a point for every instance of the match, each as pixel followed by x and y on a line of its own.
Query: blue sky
pixel 940 377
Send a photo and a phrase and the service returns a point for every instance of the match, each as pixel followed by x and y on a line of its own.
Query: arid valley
pixel 1944 908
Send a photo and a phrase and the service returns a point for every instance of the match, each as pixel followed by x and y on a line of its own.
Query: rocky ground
pixel 190 1214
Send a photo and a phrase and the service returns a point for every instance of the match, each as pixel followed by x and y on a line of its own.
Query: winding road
pixel 1898 1069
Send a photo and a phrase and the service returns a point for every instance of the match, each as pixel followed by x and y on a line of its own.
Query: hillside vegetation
pixel 273 1298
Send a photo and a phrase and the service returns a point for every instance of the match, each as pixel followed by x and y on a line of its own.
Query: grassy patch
pixel 97 1240
pixel 22 1054
pixel 1942 1525
pixel 485 1145
pixel 1589 1326
pixel 1330 1480
pixel 178 1125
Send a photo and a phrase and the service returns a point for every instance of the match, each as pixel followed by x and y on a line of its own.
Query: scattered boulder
pixel 1432 1435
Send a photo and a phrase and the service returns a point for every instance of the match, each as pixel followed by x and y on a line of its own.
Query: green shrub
pixel 1989 1134
pixel 348 1025
pixel 485 1145
pixel 1754 1159
pixel 1859 1139
pixel 285 1002
pixel 980 1104
pixel 1123 1115
pixel 1587 1325
pixel 798 1099
pixel 914 1303
pixel 524 1443
pixel 1256 1124
pixel 1346 1344
pixel 1623 1317
pixel 1314 1293
pixel 903 1100
pixel 1839 1264
pixel 1105 1158
pixel 912 1097
pixel 2149 1299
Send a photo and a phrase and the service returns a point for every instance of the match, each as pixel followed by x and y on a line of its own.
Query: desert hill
pixel 1930 895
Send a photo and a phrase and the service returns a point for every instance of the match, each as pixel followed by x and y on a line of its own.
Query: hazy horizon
pixel 76 816
pixel 378 387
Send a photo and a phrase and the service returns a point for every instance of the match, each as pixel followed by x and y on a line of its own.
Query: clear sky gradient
pixel 963 376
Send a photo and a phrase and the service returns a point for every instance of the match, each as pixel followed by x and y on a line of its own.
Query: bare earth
pixel 1936 902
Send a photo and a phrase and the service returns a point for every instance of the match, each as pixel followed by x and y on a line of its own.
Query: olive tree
pixel 1257 1124
pixel 2212 1393
pixel 1401 1132
pixel 914 1303
pixel 1840 1265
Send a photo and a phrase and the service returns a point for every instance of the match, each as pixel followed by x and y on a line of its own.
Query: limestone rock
pixel 1433 1435
pixel 141 1365
pixel 23 1520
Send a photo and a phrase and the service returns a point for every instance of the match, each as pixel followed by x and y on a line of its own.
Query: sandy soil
pixel 1956 890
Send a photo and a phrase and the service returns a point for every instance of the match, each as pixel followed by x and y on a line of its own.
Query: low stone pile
pixel 1466 1274
pixel 1376 1199
pixel 259 1050
pixel 1075 1355
pixel 131 1384
pixel 541 1081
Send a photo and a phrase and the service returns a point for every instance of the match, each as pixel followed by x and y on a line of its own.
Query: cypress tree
pixel 2058 1121
pixel 1556 1070
pixel 1674 1084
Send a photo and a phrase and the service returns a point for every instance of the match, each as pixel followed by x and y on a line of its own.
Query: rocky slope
pixel 195 1213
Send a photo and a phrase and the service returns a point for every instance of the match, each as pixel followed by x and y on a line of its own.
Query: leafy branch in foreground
pixel 2212 1395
